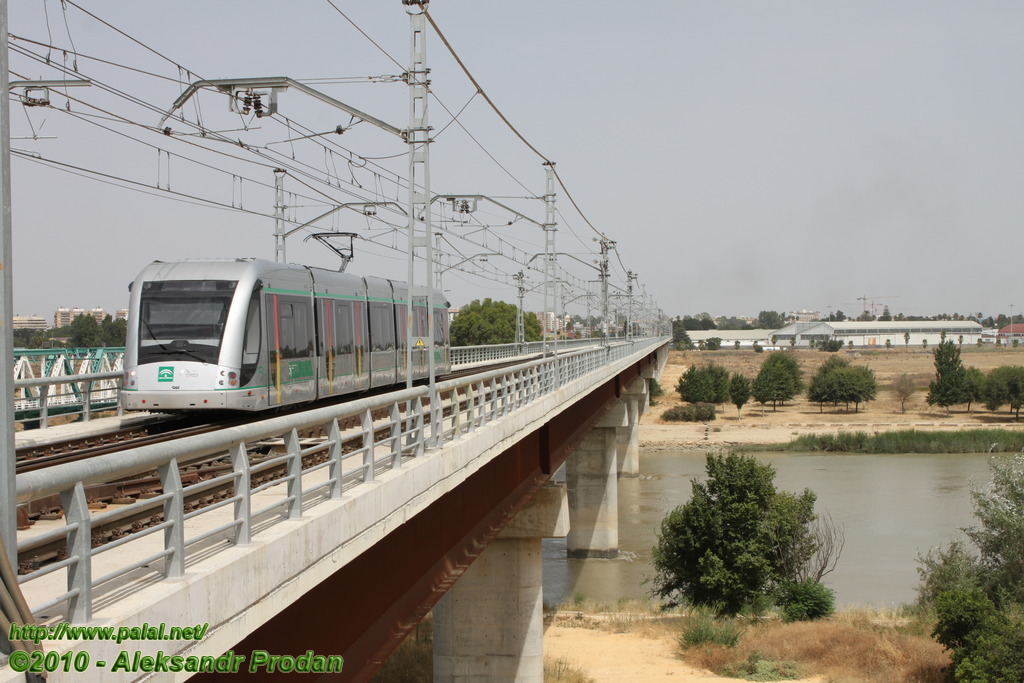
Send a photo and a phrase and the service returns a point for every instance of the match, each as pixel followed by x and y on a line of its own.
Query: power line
pixel 365 35
pixel 508 123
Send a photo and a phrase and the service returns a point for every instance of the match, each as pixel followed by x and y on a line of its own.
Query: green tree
pixel 831 345
pixel 113 331
pixel 949 387
pixel 679 335
pixel 999 536
pixel 1005 384
pixel 836 381
pixel 858 385
pixel 974 385
pixel 491 322
pixel 739 392
pixel 713 343
pixel 86 332
pixel 822 388
pixel 723 547
pixel 707 383
pixel 770 320
pixel 778 379
pixel 906 339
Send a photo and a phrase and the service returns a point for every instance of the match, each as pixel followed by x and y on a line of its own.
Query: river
pixel 890 507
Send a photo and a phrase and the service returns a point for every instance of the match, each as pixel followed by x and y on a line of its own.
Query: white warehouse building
pixel 876 333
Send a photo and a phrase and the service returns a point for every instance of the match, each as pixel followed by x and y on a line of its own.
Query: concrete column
pixel 490 625
pixel 590 477
pixel 628 437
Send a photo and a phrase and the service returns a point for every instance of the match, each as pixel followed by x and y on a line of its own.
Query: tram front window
pixel 183 319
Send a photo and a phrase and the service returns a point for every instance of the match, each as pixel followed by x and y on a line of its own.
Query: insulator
pixel 257 105
pixel 247 103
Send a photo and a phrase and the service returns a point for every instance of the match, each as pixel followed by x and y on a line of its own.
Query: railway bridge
pixel 335 530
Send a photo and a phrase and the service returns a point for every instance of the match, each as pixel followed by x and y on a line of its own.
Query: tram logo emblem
pixel 165 374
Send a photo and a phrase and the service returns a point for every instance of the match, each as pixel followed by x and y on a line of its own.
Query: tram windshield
pixel 183 319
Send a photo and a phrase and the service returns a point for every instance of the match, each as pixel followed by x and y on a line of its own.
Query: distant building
pixel 62 317
pixel 877 333
pixel 549 321
pixel 98 313
pixel 1014 331
pixel 122 314
pixel 28 322
pixel 746 338
pixel 803 316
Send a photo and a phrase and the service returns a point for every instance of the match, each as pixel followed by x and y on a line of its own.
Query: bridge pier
pixel 490 625
pixel 590 477
pixel 628 437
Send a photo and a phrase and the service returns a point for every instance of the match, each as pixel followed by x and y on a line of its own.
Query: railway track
pixel 136 490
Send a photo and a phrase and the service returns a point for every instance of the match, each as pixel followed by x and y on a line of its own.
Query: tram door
pixel 291 349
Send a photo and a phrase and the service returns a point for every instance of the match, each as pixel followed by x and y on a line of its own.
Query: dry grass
pixel 856 645
pixel 564 669
pixel 843 650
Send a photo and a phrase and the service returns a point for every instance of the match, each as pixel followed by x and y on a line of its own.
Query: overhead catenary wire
pixel 307 175
pixel 508 123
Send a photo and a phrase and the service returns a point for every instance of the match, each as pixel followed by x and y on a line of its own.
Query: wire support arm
pixel 230 85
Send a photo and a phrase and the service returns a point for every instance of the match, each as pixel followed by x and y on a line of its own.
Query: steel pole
pixel 8 494
pixel 279 249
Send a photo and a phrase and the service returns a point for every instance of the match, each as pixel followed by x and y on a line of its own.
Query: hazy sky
pixel 743 155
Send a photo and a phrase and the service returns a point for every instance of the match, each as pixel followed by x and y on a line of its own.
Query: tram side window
pixel 440 327
pixel 343 338
pixel 421 321
pixel 382 327
pixel 294 329
pixel 403 332
pixel 251 339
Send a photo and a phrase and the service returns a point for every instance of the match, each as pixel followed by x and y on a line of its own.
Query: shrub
pixel 965 617
pixel 805 600
pixel 944 569
pixel 694 412
pixel 704 628
pixel 998 656
pixel 654 387
pixel 757 668
pixel 758 348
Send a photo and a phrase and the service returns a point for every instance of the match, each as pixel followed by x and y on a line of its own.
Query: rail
pixel 314 470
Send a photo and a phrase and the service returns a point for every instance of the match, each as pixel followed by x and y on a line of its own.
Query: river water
pixel 890 507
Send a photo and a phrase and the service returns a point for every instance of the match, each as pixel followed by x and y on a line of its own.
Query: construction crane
pixel 872 299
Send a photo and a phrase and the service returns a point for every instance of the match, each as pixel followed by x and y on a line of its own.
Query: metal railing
pixel 36 400
pixel 391 428
pixel 469 355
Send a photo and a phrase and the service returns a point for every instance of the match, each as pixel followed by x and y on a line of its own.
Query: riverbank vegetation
pixel 886 646
pixel 978 597
pixel 903 441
